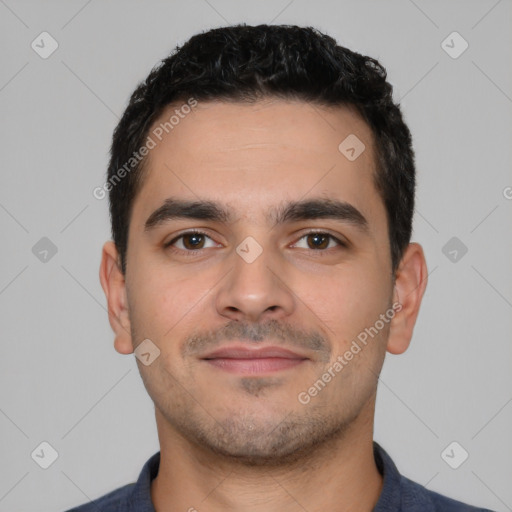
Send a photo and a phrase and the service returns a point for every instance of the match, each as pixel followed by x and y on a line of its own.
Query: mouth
pixel 262 360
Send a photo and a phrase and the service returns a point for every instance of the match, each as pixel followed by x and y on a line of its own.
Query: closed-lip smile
pixel 242 359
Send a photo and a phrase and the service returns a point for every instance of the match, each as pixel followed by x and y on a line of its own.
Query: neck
pixel 340 475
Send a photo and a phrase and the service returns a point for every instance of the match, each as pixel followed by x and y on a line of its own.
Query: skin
pixel 236 442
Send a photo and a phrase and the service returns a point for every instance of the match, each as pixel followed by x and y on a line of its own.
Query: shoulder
pixel 401 494
pixel 417 498
pixel 130 497
pixel 114 501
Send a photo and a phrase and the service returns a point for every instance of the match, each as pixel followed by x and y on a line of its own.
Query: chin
pixel 281 442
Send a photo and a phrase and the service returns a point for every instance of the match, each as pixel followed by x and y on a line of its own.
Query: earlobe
pixel 410 285
pixel 114 286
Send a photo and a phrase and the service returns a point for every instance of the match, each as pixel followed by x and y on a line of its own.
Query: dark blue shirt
pixel 399 494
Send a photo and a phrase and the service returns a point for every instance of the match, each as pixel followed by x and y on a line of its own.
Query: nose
pixel 255 291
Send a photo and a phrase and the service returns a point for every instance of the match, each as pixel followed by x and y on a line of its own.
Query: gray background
pixel 63 382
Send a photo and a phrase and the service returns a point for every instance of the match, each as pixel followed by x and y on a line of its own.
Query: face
pixel 258 272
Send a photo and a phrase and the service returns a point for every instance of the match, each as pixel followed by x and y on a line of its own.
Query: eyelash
pixel 193 252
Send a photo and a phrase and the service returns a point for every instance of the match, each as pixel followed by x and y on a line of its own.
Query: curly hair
pixel 244 63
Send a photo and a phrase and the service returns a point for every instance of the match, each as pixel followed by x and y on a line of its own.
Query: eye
pixel 192 242
pixel 318 240
pixel 189 241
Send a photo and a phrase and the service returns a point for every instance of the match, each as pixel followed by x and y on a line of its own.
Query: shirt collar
pixel 389 498
pixel 141 495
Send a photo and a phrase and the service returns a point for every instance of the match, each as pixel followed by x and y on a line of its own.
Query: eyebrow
pixel 310 209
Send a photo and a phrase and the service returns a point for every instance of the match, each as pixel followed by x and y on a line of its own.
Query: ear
pixel 410 285
pixel 113 283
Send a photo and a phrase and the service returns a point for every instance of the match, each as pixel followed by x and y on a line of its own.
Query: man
pixel 261 196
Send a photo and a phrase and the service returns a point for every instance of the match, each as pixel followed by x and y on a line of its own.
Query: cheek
pixel 350 300
pixel 159 302
pixel 351 304
pixel 170 306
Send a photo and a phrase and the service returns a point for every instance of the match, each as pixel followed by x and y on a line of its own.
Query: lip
pixel 257 360
pixel 244 352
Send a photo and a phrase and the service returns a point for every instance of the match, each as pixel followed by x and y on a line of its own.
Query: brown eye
pixel 193 241
pixel 319 241
pixel 189 242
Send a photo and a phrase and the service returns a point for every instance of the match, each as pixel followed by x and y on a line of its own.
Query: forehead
pixel 254 155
